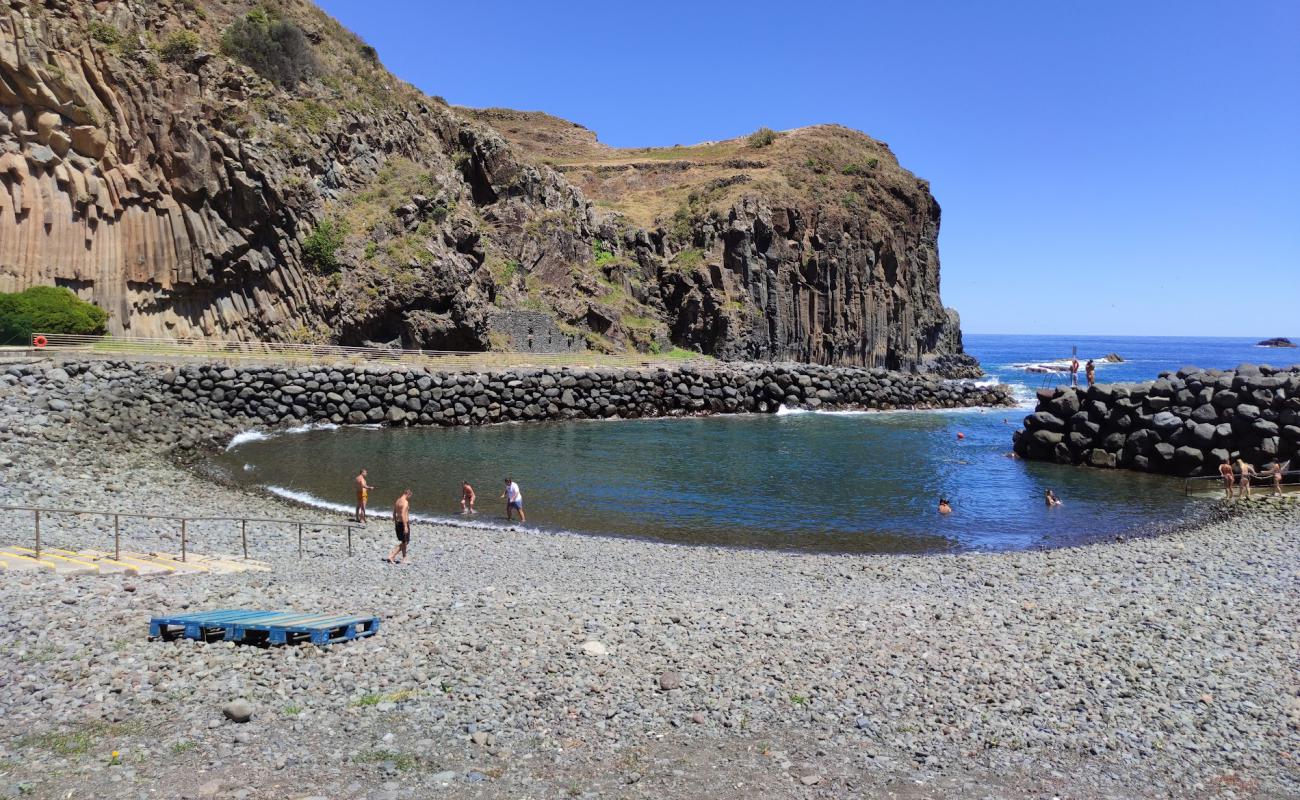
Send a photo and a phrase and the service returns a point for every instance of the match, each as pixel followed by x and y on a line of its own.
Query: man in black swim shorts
pixel 402 527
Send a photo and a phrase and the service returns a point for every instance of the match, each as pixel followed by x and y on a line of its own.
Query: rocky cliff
pixel 156 162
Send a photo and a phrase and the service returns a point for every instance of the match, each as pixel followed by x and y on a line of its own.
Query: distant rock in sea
pixel 1279 341
pixel 1114 358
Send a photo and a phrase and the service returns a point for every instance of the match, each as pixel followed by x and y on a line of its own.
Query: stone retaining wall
pixel 1186 423
pixel 269 395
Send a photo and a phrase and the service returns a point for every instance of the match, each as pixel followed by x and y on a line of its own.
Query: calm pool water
pixel 841 482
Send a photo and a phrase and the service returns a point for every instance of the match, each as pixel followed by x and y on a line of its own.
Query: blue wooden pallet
pixel 263 627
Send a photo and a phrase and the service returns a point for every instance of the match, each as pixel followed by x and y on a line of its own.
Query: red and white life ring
pixel 39 342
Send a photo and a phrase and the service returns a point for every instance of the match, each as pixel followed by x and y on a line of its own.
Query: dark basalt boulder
pixel 1277 341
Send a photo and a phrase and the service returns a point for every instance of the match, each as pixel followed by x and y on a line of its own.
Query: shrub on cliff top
pixel 761 137
pixel 47 309
pixel 276 49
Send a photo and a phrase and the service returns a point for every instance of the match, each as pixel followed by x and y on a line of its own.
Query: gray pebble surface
pixel 513 663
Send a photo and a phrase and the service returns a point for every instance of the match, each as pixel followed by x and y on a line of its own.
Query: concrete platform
pixel 97 562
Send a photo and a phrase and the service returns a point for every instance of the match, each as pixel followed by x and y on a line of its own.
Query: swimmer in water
pixel 944 506
pixel 1052 500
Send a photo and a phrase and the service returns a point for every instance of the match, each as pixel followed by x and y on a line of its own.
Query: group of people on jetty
pixel 1248 473
pixel 402 510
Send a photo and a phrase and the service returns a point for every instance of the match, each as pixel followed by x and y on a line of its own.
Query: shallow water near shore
pixel 824 482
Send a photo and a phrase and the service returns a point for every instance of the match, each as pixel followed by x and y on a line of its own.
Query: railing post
pixel 243 536
pixel 299 540
pixel 38 533
pixel 349 541
pixel 183 521
pixel 117 538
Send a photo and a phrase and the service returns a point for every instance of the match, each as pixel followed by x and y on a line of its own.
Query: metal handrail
pixel 124 345
pixel 184 521
pixel 1259 476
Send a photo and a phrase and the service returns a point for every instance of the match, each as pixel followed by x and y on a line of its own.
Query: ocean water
pixel 833 481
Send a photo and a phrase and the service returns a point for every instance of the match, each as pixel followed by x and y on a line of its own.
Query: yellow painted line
pixel 24 560
pixel 48 554
pixel 97 558
pixel 233 565
pixel 184 566
pixel 139 561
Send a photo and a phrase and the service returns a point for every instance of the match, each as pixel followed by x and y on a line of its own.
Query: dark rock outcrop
pixel 1278 341
pixel 1185 423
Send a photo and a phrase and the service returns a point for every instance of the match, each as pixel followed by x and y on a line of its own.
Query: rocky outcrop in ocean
pixel 1185 423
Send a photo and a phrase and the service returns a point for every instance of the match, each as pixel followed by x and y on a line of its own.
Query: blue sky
pixel 1104 168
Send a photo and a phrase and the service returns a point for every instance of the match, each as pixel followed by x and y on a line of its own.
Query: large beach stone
pixel 238 710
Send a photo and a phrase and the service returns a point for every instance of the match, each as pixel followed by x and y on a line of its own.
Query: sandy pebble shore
pixel 518 664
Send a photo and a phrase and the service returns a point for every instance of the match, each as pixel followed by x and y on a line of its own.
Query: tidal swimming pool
pixel 830 482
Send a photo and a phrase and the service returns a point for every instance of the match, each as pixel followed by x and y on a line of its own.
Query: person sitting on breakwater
pixel 1247 472
pixel 467 498
pixel 1277 477
pixel 944 506
pixel 363 494
pixel 1090 371
pixel 514 500
pixel 1225 469
pixel 402 526
pixel 1052 500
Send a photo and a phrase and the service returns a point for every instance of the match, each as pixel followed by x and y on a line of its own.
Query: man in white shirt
pixel 514 500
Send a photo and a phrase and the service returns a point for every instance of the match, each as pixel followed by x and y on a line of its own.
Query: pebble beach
pixel 513 663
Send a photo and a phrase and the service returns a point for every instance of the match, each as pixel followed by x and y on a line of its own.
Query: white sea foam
pixel 260 436
pixel 308 499
pixel 782 411
pixel 245 437
pixel 312 426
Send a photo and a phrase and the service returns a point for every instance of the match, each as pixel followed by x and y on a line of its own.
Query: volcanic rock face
pixel 190 196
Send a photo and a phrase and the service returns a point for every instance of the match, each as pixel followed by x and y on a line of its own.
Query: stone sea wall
pixel 358 395
pixel 187 406
pixel 1186 423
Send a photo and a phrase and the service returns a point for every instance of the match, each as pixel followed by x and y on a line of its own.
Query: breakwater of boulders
pixel 1185 423
pixel 418 397
pixel 143 401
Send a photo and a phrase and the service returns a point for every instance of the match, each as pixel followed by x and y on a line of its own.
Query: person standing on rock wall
pixel 1247 472
pixel 1225 469
pixel 1074 371
pixel 402 526
pixel 514 500
pixel 363 494
pixel 1090 372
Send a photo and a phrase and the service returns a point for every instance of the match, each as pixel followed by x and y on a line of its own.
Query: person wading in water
pixel 402 526
pixel 363 494
pixel 514 500
pixel 466 498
